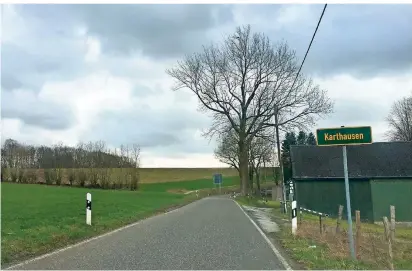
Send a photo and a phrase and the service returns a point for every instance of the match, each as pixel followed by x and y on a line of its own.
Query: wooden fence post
pixel 393 222
pixel 339 219
pixel 388 239
pixel 358 233
pixel 300 217
pixel 320 225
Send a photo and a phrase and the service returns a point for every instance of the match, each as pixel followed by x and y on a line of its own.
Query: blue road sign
pixel 217 179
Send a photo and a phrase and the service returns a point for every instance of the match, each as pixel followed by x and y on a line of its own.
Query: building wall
pixel 326 195
pixel 395 192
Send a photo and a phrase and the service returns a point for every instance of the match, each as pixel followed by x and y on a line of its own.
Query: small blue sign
pixel 217 179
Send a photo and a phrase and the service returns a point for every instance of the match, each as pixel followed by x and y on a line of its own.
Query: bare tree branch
pixel 241 81
pixel 400 120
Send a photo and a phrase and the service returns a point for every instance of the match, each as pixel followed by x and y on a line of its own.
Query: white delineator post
pixel 294 217
pixel 88 209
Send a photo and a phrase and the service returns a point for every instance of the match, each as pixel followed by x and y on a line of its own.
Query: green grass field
pixel 39 218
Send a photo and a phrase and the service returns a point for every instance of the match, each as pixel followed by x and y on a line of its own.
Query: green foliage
pixel 290 140
pixel 311 139
pixel 301 140
pixel 48 176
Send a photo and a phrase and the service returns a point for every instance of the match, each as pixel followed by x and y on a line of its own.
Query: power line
pixel 310 44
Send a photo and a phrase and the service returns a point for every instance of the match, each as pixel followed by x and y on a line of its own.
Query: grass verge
pixel 330 250
pixel 37 218
pixel 188 185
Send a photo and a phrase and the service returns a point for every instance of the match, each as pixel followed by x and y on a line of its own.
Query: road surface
pixel 210 234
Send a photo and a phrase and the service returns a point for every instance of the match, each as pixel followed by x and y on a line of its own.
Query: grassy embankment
pixel 329 250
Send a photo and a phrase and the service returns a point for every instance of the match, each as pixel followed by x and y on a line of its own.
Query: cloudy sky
pixel 75 73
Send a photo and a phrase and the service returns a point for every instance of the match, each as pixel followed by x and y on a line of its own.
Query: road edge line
pixel 271 245
pixel 94 238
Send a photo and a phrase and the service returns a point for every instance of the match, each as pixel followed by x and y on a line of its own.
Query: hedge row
pixel 105 178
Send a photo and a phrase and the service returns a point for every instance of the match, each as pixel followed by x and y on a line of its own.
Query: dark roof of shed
pixel 383 159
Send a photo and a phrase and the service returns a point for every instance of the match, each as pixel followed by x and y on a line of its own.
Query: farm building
pixel 380 175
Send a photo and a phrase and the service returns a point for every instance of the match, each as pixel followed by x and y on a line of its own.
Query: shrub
pixel 13 175
pixel 21 174
pixel 104 178
pixel 135 177
pixel 58 175
pixel 93 177
pixel 82 177
pixel 71 176
pixel 31 176
pixel 48 176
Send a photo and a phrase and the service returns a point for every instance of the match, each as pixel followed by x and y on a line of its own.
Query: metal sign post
pixel 341 137
pixel 217 181
pixel 348 208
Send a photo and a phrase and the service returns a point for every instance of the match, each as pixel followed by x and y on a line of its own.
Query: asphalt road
pixel 210 234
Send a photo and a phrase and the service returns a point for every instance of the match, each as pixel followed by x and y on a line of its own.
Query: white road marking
pixel 275 250
pixel 92 239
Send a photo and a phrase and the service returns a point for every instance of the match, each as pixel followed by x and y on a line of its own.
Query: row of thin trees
pixel 90 164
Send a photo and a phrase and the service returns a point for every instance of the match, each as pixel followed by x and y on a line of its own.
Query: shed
pixel 380 175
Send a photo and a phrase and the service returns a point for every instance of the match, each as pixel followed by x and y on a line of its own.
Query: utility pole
pixel 280 161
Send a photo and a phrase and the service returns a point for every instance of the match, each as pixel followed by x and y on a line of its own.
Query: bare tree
pixel 227 150
pixel 240 82
pixel 135 152
pixel 400 120
pixel 260 151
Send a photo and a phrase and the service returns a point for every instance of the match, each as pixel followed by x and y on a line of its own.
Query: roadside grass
pixel 206 183
pixel 39 218
pixel 402 232
pixel 156 175
pixel 330 250
pixel 258 202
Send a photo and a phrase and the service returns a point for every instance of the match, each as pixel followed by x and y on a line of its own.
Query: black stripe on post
pixel 294 213
pixel 88 205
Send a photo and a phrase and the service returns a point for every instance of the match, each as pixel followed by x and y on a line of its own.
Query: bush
pixel 31 176
pixel 21 174
pixel 104 178
pixel 135 177
pixel 71 176
pixel 82 177
pixel 13 175
pixel 58 175
pixel 48 176
pixel 93 177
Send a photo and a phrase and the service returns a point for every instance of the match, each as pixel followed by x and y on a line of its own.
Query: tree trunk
pixel 243 167
pixel 258 181
pixel 251 171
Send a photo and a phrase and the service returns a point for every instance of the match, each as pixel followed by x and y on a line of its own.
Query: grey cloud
pixel 34 66
pixel 35 112
pixel 361 40
pixel 9 82
pixel 158 130
pixel 158 30
pixel 352 110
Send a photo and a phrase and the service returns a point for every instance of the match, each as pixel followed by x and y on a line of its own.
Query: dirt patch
pixel 178 191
